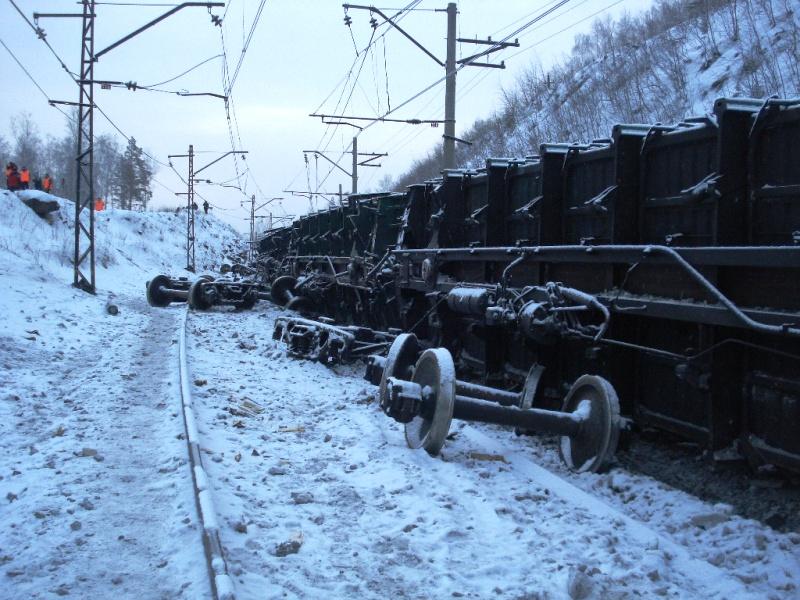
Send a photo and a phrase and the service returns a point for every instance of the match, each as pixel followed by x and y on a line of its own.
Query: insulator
pixel 374 22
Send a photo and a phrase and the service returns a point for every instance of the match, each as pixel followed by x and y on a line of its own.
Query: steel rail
pixel 220 581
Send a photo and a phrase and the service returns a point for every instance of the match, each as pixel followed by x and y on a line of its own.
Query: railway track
pixel 220 582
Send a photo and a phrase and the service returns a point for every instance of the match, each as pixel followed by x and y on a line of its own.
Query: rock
pixel 302 497
pixel 86 504
pixel 579 585
pixel 240 527
pixel 277 471
pixel 776 520
pixel 86 452
pixel 41 207
pixel 200 382
pixel 287 548
pixel 707 520
pixel 75 525
pixel 327 438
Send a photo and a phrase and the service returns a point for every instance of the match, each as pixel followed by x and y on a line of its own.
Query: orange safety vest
pixel 25 176
pixel 47 184
pixel 99 204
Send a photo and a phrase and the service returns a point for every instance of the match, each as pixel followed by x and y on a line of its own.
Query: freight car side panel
pixel 774 208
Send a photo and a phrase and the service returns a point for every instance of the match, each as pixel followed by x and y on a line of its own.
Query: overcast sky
pixel 299 55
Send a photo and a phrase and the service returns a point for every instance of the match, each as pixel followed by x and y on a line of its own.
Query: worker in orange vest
pixel 25 178
pixel 47 183
pixel 99 204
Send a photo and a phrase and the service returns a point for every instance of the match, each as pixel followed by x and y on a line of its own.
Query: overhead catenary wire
pixel 70 117
pixel 246 45
pixel 332 127
pixel 481 76
pixel 544 12
pixel 186 72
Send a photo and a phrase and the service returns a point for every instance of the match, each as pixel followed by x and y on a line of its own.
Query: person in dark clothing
pixel 12 180
pixel 37 183
pixel 205 206
pixel 194 205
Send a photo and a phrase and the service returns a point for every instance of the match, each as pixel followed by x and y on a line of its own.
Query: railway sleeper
pixel 426 396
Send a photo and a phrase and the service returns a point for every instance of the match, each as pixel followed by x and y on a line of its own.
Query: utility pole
pixel 354 174
pixel 84 256
pixel 190 203
pixel 357 162
pixel 84 236
pixel 251 250
pixel 449 142
pixel 450 66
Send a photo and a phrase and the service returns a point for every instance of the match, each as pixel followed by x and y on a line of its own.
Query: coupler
pixel 426 396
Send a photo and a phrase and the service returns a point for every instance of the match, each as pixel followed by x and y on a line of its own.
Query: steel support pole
pixel 83 260
pixel 251 251
pixel 354 173
pixel 190 213
pixel 449 144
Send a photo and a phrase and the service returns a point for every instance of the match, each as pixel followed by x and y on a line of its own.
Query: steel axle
pixel 425 397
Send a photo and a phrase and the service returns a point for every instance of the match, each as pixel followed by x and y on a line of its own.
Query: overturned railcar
pixel 665 259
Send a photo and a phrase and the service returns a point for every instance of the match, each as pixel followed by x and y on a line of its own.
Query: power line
pixel 245 47
pixel 41 35
pixel 66 114
pixel 200 64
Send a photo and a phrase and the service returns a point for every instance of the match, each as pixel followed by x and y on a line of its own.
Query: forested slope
pixel 661 66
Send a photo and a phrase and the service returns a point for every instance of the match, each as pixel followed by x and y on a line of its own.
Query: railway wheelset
pixel 203 292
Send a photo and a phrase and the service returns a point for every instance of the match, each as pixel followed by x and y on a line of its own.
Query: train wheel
pixel 435 370
pixel 594 447
pixel 197 295
pixel 282 289
pixel 155 296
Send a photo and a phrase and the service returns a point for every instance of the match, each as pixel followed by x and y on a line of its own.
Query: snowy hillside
pixel 662 66
pixel 131 246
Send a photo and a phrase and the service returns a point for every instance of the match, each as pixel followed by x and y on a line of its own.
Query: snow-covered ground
pixel 95 494
pixel 316 493
pixel 301 458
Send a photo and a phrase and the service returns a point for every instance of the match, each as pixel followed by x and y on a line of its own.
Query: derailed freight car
pixel 665 260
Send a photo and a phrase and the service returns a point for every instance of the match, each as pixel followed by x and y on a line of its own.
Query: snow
pixel 95 491
pixel 323 465
pixel 314 490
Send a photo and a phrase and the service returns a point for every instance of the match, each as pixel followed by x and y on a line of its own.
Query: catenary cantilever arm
pixel 157 20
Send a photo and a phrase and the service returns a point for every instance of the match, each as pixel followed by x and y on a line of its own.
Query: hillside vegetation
pixel 669 62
